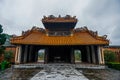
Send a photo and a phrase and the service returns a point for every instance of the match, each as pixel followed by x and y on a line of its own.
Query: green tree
pixel 2 50
pixel 2 36
pixel 8 55
pixel 2 40
pixel 41 55
pixel 77 55
pixel 109 56
pixel 1 30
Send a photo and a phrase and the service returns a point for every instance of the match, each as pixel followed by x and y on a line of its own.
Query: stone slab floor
pixel 59 72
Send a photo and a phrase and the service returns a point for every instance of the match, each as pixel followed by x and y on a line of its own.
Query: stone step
pixel 81 66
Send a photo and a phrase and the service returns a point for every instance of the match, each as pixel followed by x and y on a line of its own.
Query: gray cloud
pixel 102 16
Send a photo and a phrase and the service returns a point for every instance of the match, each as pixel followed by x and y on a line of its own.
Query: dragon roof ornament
pixel 52 18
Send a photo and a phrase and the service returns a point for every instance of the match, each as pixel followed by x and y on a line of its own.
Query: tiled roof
pixel 79 37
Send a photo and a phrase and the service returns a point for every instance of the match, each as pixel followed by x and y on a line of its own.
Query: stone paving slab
pixel 59 72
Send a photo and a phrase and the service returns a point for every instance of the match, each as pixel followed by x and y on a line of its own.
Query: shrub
pixel 5 64
pixel 109 56
pixel 8 55
pixel 2 50
pixel 113 65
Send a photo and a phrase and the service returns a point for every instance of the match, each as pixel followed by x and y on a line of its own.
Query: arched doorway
pixel 77 54
pixel 41 54
pixel 59 54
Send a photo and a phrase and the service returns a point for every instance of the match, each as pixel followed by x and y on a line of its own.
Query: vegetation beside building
pixel 110 58
pixel 114 65
pixel 5 56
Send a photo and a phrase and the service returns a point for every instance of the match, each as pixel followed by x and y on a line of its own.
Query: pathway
pixel 59 72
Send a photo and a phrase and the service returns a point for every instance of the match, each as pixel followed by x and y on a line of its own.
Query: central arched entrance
pixel 59 54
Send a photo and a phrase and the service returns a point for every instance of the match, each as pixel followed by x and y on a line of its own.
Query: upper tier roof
pixel 80 36
pixel 52 23
pixel 54 19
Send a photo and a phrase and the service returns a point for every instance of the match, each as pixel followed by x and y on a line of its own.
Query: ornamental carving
pixel 34 29
pixel 52 18
pixel 81 29
pixel 92 33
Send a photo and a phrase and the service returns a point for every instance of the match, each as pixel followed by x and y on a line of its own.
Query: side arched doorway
pixel 41 54
pixel 78 56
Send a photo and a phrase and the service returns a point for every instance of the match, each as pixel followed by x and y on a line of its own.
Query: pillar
pixel 18 54
pixel 25 53
pixel 36 55
pixel 46 56
pixel 30 53
pixel 72 56
pixel 88 54
pixel 102 56
pixel 99 55
pixel 93 54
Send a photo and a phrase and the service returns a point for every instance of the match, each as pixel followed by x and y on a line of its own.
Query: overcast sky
pixel 98 15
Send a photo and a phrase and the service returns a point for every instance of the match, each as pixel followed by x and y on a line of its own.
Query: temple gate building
pixel 59 39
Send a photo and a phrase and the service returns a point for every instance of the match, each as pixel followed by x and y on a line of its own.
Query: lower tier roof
pixel 81 36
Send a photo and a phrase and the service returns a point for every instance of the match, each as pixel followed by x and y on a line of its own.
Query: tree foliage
pixel 109 56
pixel 2 40
pixel 8 55
pixel 77 55
pixel 41 55
pixel 1 30
pixel 2 36
pixel 2 50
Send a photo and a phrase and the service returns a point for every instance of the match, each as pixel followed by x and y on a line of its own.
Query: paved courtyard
pixel 59 72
